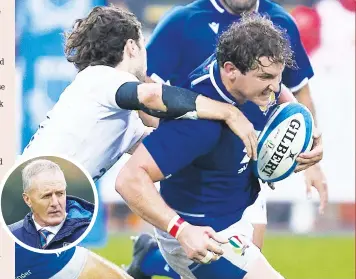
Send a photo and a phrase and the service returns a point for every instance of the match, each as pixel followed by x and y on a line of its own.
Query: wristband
pixel 176 226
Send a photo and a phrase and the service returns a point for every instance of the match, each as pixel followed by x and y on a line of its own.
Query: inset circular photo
pixel 48 204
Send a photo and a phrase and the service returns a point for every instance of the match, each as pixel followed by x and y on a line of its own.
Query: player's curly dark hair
pixel 100 38
pixel 254 36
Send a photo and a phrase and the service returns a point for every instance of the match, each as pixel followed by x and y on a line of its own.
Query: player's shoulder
pixel 201 75
pixel 103 76
pixel 277 14
pixel 202 79
pixel 187 12
pixel 100 72
pixel 178 14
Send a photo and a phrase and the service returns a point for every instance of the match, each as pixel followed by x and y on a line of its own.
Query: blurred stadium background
pixel 300 243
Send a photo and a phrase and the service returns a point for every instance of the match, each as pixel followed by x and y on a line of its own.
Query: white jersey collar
pixel 221 9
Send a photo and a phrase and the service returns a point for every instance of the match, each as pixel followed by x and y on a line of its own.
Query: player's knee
pixel 258 235
pixel 121 181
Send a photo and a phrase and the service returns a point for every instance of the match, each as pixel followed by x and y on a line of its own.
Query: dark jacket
pixel 79 215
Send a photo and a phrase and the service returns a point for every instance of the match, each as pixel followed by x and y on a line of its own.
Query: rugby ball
pixel 288 132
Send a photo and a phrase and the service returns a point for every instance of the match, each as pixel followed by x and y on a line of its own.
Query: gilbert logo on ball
pixel 288 132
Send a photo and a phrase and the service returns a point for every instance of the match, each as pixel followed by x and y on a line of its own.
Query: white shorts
pixel 257 212
pixel 178 260
pixel 75 266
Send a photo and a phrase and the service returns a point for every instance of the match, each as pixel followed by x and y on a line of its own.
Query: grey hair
pixel 36 167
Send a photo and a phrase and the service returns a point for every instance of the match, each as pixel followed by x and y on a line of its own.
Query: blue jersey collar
pixel 214 73
pixel 221 9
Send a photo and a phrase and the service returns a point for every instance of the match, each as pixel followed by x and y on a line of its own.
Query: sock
pixel 154 264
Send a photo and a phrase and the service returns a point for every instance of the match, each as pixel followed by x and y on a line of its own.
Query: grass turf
pixel 296 257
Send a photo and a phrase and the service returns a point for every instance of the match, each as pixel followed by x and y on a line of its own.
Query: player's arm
pixel 165 101
pixel 297 80
pixel 174 145
pixel 286 95
pixel 303 95
pixel 309 161
pixel 311 158
pixel 298 76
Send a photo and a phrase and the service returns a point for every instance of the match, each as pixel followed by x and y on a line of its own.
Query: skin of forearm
pixel 138 190
pixel 213 110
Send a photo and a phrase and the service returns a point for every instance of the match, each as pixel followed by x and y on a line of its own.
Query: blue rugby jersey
pixel 31 265
pixel 209 176
pixel 188 35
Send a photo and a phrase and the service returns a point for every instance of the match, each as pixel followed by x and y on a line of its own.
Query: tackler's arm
pixel 166 101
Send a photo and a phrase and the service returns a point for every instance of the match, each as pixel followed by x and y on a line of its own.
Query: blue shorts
pixel 65 265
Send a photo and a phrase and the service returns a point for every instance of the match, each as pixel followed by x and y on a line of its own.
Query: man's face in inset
pixel 46 197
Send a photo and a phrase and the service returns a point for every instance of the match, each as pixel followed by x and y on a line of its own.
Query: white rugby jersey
pixel 87 125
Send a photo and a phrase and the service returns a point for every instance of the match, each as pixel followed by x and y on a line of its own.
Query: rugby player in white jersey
pixel 93 121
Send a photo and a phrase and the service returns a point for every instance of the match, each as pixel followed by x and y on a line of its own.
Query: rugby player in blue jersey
pixel 206 183
pixel 195 29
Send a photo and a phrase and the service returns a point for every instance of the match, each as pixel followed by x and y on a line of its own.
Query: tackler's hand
pixel 244 129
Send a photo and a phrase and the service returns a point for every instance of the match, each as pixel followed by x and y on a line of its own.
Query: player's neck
pixel 124 67
pixel 231 11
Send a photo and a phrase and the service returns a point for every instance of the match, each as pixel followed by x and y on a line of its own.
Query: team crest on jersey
pixel 237 245
pixel 272 101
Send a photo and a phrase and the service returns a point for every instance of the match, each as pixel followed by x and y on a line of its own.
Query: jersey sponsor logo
pixel 214 26
pixel 272 102
pixel 24 275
